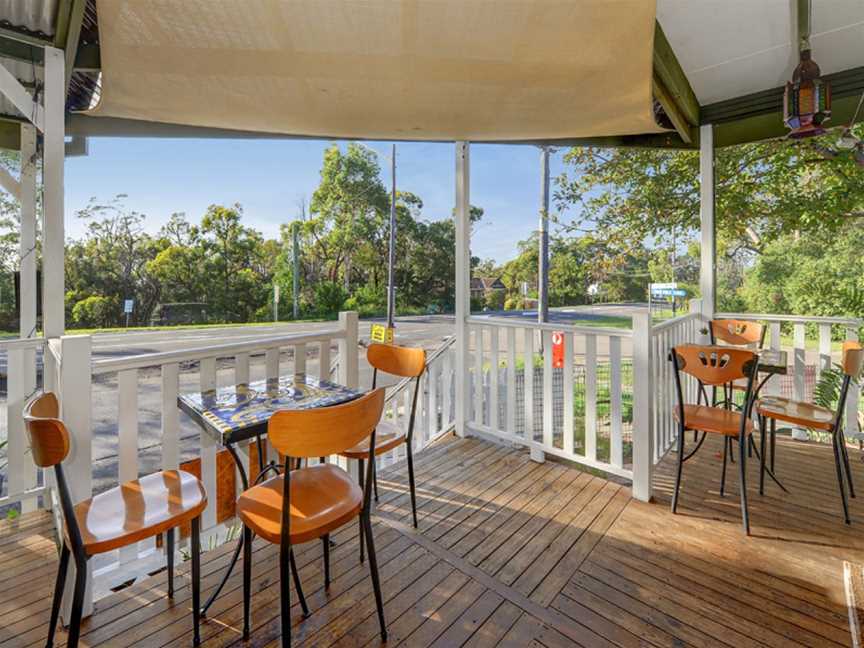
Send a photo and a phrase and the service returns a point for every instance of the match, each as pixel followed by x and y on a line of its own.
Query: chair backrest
pixel 325 430
pixel 737 332
pixel 49 438
pixel 407 362
pixel 714 365
pixel 853 358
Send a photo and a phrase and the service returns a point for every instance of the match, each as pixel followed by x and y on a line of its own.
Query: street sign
pixel 557 349
pixel 128 305
pixel 667 285
pixel 276 293
pixel 381 334
pixel 668 292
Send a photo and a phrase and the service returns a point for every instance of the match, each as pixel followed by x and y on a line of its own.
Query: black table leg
pixel 245 481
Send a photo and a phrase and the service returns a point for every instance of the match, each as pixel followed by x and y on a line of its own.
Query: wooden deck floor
pixel 515 553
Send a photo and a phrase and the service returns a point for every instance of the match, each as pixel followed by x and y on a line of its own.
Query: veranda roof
pixel 382 69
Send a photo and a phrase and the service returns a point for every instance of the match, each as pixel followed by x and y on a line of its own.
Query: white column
pixel 707 268
pixel 52 176
pixel 643 436
pixel 463 281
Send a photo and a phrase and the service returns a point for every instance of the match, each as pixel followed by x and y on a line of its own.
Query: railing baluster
pixel 446 386
pixel 21 383
pixel 478 375
pixel 493 378
pixel 567 433
pixel 300 359
pixel 529 382
pixel 616 449
pixel 207 380
pixel 170 417
pixel 432 422
pixel 324 360
pixel 824 349
pixel 591 397
pixel 127 439
pixel 548 393
pixel 241 369
pixel 271 363
pixel 510 405
pixel 854 394
pixel 799 343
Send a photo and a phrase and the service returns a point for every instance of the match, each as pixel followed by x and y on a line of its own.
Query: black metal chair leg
pixel 196 581
pixel 169 555
pixel 845 452
pixel 762 455
pixel 375 478
pixel 410 457
pixel 59 584
pixel 325 545
pixel 361 474
pixel 773 443
pixel 373 570
pixel 723 474
pixel 840 482
pixel 297 585
pixel 742 481
pixel 247 579
pixel 285 594
pixel 681 434
pixel 77 603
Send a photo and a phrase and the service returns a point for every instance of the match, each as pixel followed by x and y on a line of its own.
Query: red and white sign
pixel 558 349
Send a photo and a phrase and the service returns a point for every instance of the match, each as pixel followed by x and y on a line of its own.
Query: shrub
pixel 95 311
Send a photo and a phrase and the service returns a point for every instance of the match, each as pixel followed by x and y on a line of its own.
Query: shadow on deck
pixel 514 553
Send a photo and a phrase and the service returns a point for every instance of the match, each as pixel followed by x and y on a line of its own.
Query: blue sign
pixel 668 292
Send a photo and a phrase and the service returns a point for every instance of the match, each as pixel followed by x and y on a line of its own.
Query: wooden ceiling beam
pixel 671 75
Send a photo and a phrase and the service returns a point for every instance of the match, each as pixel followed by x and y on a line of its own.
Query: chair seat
pixel 388 435
pixel 796 412
pixel 323 498
pixel 139 509
pixel 716 420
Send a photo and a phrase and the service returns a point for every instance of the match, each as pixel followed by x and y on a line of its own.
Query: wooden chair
pixel 133 511
pixel 739 333
pixel 308 503
pixel 712 366
pixel 404 362
pixel 812 416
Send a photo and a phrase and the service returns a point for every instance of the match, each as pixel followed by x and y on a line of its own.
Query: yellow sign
pixel 382 334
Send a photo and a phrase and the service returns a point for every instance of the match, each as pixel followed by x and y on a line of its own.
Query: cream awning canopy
pixel 382 69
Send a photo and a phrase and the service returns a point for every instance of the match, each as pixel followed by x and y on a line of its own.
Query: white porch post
pixel 643 417
pixel 463 281
pixel 53 321
pixel 708 265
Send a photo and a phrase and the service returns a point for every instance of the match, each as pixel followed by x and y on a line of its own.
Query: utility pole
pixel 543 274
pixel 295 271
pixel 391 271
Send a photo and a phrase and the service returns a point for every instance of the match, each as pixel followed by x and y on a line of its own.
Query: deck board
pixel 513 553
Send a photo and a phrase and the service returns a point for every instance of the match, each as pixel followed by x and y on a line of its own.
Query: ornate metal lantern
pixel 807 100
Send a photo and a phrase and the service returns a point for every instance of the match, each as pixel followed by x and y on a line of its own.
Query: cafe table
pixel 240 413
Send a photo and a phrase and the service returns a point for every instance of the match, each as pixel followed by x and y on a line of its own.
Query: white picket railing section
pixel 664 336
pixel 235 358
pixel 436 403
pixel 23 482
pixel 518 395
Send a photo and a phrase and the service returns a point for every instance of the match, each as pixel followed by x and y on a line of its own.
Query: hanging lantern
pixel 807 100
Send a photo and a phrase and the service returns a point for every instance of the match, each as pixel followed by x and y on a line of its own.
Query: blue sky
pixel 268 177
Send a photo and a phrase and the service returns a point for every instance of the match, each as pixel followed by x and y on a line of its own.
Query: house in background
pixel 481 287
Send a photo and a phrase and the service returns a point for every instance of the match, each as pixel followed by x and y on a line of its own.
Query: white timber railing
pixel 810 353
pixel 436 403
pixel 577 402
pixel 228 362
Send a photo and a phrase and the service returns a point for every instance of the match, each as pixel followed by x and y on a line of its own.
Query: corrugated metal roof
pixel 36 16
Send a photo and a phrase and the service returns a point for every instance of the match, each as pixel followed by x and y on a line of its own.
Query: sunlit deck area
pixel 516 553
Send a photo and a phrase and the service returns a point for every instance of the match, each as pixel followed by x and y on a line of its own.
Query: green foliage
pixel 826 392
pixel 329 299
pixel 94 311
pixel 368 301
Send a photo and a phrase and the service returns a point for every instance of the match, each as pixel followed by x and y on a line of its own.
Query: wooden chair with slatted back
pixel 309 503
pixel 135 510
pixel 739 333
pixel 712 366
pixel 812 416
